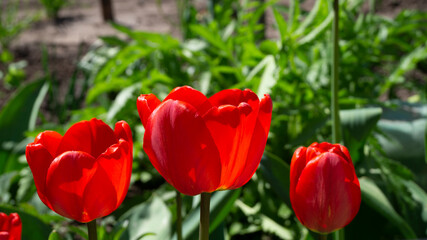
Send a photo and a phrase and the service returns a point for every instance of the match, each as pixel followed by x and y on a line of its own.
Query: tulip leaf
pixel 357 126
pixel 271 226
pixel 220 206
pixel 276 172
pixel 151 219
pixel 316 32
pixel 54 236
pixel 316 15
pixel 219 232
pixel 268 80
pixel 15 116
pixel 281 25
pixel 419 195
pixel 122 98
pixel 33 228
pixel 403 135
pixel 375 198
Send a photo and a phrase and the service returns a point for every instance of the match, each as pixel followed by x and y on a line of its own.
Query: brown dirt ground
pixel 81 24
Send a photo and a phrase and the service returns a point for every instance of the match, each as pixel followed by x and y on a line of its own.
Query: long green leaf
pixel 152 218
pixel 318 11
pixel 375 198
pixel 213 38
pixel 408 63
pixel 268 79
pixel 16 114
pixel 403 131
pixel 281 25
pixel 419 195
pixel 357 125
pixel 321 28
pixel 122 98
pixel 276 172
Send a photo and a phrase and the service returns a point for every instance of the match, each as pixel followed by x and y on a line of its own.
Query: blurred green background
pixel 278 47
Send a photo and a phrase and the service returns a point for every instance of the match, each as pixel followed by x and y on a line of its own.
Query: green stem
pixel 323 236
pixel 91 228
pixel 339 235
pixel 204 216
pixel 336 126
pixel 178 215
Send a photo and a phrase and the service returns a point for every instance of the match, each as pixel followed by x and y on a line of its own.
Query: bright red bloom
pixel 324 191
pixel 84 174
pixel 10 227
pixel 202 145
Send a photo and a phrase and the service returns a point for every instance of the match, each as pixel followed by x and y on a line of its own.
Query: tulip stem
pixel 339 234
pixel 323 236
pixel 178 215
pixel 204 216
pixel 336 126
pixel 91 228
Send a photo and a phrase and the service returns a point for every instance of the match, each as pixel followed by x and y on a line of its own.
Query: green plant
pixel 11 24
pixel 53 7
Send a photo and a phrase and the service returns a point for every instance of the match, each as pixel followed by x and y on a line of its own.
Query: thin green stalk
pixel 178 215
pixel 91 228
pixel 339 235
pixel 336 126
pixel 204 216
pixel 323 236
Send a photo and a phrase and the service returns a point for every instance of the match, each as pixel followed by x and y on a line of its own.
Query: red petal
pixel 191 96
pixel 298 163
pixel 234 97
pixel 99 197
pixel 50 140
pixel 93 137
pixel 258 142
pixel 66 181
pixel 39 160
pixel 4 222
pixel 255 151
pixel 264 115
pixel 315 149
pixel 117 165
pixel 146 103
pixel 181 148
pixel 326 196
pixel 123 131
pixel 15 226
pixel 4 236
pixel 232 132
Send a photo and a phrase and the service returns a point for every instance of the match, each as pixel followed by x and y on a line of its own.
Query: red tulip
pixel 10 227
pixel 84 174
pixel 324 191
pixel 203 145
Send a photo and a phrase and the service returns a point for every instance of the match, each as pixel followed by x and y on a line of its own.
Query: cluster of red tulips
pixel 199 145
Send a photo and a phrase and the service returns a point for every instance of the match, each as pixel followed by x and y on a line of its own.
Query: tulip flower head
pixel 10 227
pixel 325 192
pixel 201 144
pixel 84 174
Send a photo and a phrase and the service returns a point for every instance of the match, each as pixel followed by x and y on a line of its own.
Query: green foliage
pixel 11 25
pixel 53 7
pixel 16 115
pixel 148 220
pixel 227 47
